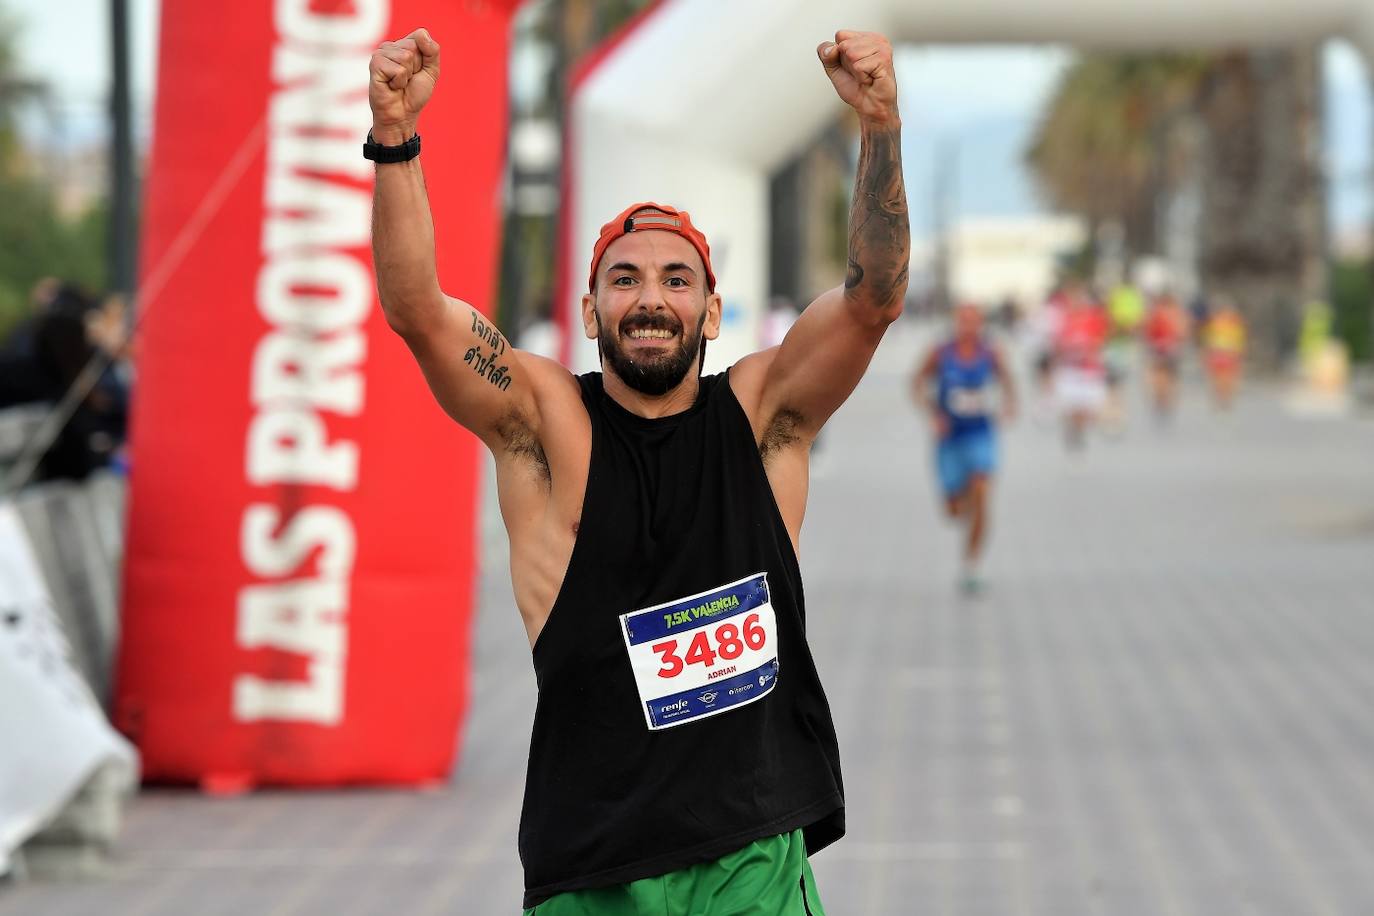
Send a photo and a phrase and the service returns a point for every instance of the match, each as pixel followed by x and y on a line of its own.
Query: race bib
pixel 705 654
pixel 968 402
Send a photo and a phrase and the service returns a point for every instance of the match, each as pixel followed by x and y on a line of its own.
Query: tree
pixel 1263 214
pixel 34 240
pixel 1352 291
pixel 1099 149
pixel 16 93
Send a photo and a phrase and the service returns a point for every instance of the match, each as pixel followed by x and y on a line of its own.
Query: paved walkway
pixel 1164 705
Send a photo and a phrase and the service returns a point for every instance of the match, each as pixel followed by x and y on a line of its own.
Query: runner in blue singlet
pixel 962 372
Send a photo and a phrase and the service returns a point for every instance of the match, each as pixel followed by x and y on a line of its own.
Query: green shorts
pixel 769 877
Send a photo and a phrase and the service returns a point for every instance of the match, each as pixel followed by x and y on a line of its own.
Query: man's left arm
pixel 827 350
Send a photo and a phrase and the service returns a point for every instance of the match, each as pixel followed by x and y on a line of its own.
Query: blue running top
pixel 964 397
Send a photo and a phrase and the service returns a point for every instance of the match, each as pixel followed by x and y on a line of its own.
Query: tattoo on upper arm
pixel 486 366
pixel 879 230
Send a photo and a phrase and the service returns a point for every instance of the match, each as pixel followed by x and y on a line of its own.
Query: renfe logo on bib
pixel 705 654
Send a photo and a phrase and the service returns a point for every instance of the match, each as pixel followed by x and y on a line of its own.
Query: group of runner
pixel 1084 347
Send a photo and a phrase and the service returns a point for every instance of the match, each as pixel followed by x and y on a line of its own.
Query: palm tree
pixel 1098 150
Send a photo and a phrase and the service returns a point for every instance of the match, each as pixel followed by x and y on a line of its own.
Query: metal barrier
pixel 75 533
pixel 17 426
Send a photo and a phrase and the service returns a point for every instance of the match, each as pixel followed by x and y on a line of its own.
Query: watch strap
pixel 403 153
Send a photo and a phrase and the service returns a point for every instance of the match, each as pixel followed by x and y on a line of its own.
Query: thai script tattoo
pixel 486 366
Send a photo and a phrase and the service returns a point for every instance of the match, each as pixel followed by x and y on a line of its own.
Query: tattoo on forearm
pixel 486 366
pixel 879 230
pixel 855 275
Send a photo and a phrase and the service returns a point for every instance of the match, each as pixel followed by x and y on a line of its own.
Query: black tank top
pixel 680 716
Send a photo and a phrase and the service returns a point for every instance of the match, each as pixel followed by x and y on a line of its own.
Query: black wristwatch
pixel 403 153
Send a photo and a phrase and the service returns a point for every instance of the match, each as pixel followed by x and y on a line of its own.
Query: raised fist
pixel 859 65
pixel 403 74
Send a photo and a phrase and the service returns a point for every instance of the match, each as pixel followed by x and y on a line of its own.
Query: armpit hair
pixel 520 442
pixel 780 433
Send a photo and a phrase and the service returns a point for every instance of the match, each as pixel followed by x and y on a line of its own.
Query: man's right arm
pixel 924 398
pixel 920 381
pixel 474 373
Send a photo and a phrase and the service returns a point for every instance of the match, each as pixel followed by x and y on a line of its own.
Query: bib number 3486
pixel 704 654
pixel 726 642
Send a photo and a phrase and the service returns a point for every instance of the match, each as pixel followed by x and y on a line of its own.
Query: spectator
pixel 45 355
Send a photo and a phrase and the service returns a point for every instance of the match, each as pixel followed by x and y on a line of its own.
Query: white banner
pixel 53 734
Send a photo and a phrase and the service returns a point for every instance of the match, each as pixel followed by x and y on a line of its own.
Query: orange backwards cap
pixel 663 219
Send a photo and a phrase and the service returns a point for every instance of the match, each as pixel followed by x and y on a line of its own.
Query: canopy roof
pixel 740 79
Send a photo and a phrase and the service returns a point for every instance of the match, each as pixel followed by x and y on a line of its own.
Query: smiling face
pixel 651 310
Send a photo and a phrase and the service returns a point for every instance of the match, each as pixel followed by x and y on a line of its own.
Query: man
pixel 1223 340
pixel 682 748
pixel 1080 373
pixel 963 369
pixel 1166 331
pixel 1042 331
pixel 1125 312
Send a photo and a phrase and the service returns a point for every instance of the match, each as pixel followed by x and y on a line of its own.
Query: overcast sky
pixel 982 99
pixel 79 74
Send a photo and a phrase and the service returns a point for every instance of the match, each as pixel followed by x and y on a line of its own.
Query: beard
pixel 652 372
